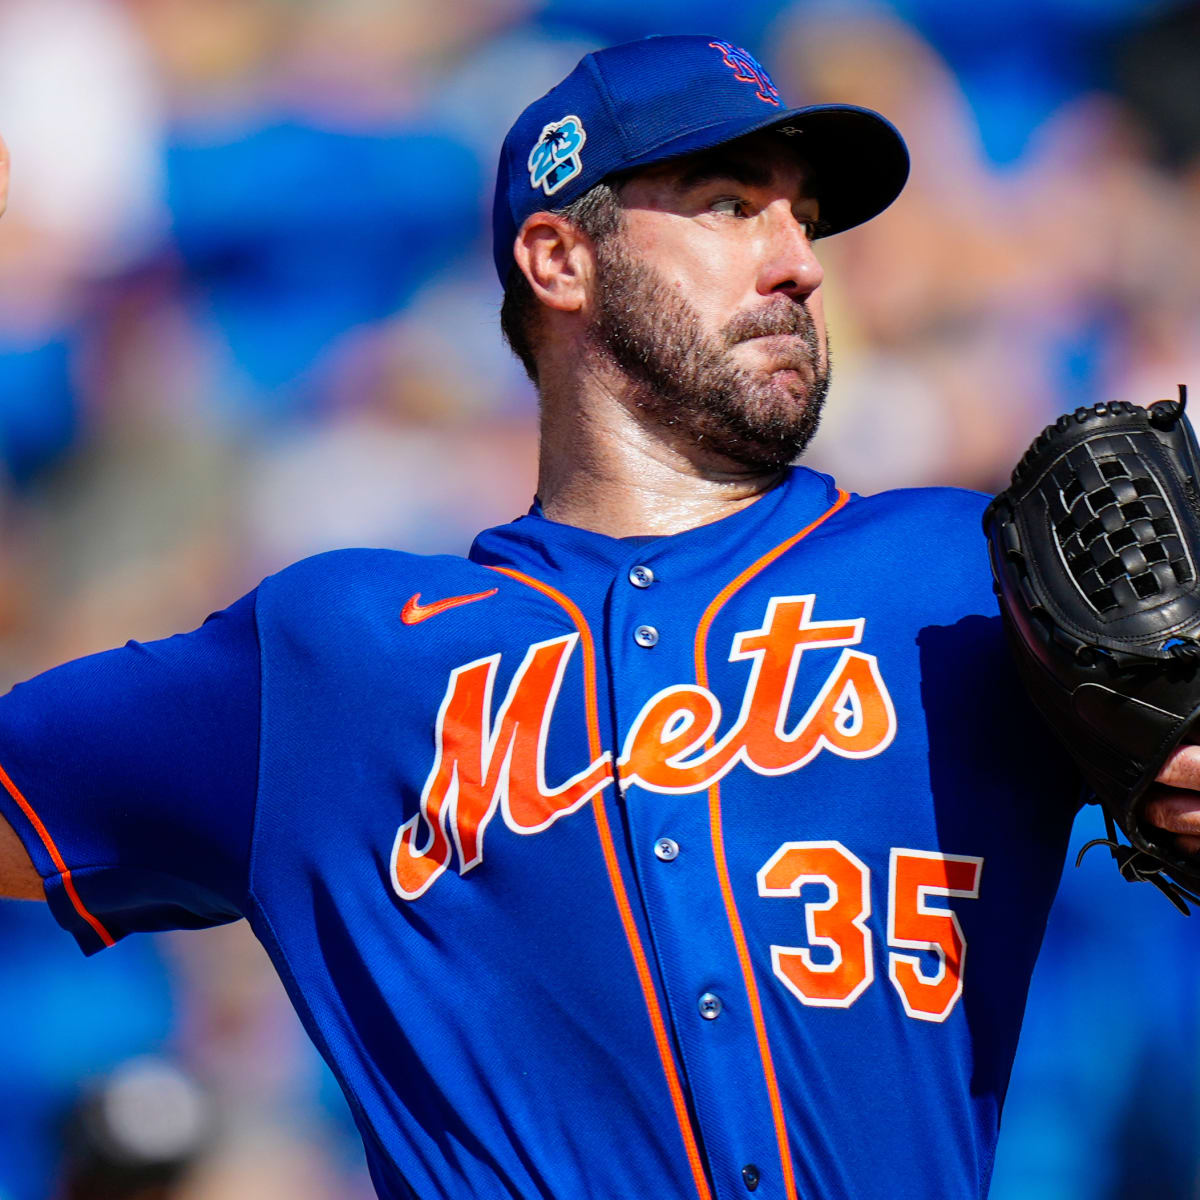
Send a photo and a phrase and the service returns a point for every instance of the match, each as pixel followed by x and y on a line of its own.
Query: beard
pixel 685 380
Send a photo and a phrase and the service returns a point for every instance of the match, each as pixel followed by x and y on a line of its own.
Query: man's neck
pixel 600 468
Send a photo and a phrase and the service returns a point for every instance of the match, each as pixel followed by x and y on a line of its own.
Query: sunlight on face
pixel 708 301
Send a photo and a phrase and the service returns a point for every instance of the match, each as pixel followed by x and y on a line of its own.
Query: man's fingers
pixel 1176 812
pixel 1182 769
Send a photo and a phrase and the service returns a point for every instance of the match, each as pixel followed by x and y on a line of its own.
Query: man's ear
pixel 557 259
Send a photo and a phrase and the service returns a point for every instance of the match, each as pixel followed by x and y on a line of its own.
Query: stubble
pixel 685 380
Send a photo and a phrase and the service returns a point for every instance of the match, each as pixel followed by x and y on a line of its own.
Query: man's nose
pixel 789 263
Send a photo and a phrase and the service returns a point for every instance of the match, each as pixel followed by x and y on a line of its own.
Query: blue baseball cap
pixel 642 102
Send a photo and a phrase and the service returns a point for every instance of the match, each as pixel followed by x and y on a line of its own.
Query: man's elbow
pixel 19 879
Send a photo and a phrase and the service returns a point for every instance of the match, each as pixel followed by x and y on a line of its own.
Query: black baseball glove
pixel 1095 552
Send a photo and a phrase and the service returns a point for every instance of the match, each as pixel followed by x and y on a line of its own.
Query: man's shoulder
pixel 930 522
pixel 942 507
pixel 361 578
pixel 927 542
pixel 367 564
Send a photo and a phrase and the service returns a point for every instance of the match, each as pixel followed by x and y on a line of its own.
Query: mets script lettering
pixel 485 764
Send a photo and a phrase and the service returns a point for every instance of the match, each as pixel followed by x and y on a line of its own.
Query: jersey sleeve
pixel 130 777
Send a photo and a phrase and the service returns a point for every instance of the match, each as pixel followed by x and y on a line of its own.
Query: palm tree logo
pixel 555 157
pixel 554 137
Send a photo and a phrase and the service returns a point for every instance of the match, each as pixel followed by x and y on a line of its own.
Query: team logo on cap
pixel 554 159
pixel 748 69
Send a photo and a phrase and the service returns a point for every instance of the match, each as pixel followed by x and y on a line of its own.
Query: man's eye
pixel 730 205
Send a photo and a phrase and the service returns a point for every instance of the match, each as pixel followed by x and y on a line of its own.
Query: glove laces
pixel 1139 867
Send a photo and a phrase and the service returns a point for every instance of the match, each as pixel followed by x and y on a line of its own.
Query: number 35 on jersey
pixel 839 925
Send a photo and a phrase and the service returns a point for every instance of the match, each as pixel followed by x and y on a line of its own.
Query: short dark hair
pixel 598 214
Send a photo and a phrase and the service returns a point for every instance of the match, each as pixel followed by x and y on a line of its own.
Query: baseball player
pixel 682 840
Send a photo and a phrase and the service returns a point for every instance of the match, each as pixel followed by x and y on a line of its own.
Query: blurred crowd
pixel 248 313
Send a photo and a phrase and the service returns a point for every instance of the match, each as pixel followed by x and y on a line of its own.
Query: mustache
pixel 772 320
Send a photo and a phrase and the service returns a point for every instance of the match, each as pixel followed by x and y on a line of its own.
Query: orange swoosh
pixel 414 611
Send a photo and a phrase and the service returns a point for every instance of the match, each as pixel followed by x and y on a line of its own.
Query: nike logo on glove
pixel 415 612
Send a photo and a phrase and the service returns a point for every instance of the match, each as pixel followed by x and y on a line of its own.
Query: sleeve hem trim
pixel 64 871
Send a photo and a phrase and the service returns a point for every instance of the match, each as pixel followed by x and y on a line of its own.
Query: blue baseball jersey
pixel 690 866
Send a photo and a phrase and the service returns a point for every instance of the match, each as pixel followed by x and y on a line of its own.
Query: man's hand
pixel 3 177
pixel 1175 804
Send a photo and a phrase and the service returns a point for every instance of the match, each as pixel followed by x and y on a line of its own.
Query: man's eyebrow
pixel 714 168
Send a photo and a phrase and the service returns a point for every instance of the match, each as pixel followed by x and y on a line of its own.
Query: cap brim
pixel 858 159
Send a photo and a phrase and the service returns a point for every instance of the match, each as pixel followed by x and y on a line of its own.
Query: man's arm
pixel 18 878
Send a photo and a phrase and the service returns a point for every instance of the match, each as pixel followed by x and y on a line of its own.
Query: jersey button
pixel 710 1006
pixel 641 576
pixel 646 636
pixel 666 849
pixel 750 1177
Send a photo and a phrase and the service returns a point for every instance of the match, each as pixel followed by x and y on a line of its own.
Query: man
pixel 646 851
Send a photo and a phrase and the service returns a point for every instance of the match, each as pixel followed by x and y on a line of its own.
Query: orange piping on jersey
pixel 61 866
pixel 614 874
pixel 718 840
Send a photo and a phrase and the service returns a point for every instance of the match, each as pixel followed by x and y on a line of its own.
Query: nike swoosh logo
pixel 414 612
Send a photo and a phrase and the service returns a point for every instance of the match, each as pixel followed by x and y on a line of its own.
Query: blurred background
pixel 248 313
